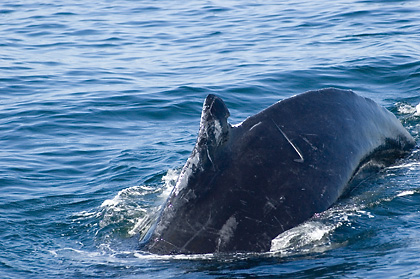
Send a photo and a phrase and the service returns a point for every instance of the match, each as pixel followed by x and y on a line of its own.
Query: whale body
pixel 245 184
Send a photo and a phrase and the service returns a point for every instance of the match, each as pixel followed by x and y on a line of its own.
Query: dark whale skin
pixel 245 184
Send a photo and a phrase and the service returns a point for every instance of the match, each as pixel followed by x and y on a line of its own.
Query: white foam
pixel 149 256
pixel 130 207
pixel 85 214
pixel 306 234
pixel 125 207
pixel 314 235
pixel 126 194
pixel 73 253
pixel 411 166
pixel 406 193
pixel 408 109
pixel 170 180
pixel 417 110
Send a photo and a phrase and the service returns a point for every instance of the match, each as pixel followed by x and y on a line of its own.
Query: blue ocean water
pixel 100 105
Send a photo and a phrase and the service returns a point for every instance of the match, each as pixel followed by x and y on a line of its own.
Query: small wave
pixel 126 210
pixel 137 205
pixel 124 219
pixel 315 235
pixel 308 236
pixel 169 180
pixel 127 194
pixel 404 108
pixel 408 165
pixel 117 225
pixel 406 193
pixel 74 253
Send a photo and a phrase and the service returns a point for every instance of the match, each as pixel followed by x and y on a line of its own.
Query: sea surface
pixel 100 106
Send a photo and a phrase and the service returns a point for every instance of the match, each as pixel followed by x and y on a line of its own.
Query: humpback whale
pixel 245 184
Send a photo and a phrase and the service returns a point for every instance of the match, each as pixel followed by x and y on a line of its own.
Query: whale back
pixel 245 184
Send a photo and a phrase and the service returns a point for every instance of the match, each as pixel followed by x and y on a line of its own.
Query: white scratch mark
pixel 227 232
pixel 255 125
pixel 301 160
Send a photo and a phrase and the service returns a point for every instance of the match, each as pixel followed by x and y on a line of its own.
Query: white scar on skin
pixel 301 160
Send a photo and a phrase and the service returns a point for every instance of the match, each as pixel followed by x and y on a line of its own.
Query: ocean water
pixel 100 105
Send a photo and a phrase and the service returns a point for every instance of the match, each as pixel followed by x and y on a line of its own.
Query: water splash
pixel 119 222
pixel 404 108
pixel 136 203
pixel 315 235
